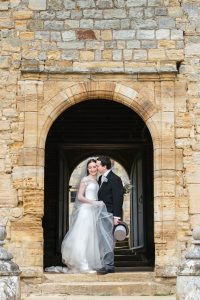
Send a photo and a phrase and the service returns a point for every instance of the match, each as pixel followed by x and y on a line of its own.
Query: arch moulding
pixel 95 90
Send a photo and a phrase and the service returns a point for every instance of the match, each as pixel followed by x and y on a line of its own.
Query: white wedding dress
pixel 90 236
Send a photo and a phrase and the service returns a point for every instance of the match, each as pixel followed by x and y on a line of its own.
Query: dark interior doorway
pixel 99 127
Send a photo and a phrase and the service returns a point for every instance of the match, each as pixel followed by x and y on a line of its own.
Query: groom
pixel 111 193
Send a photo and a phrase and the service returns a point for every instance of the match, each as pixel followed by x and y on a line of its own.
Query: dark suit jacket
pixel 111 193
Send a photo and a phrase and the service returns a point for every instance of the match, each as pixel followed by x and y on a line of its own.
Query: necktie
pixel 103 178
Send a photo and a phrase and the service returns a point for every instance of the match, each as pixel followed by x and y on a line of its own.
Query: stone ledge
pixel 33 66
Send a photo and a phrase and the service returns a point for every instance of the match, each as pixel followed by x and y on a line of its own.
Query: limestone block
pixel 140 54
pixel 30 226
pixel 194 219
pixel 58 66
pixel 11 45
pixel 33 201
pixel 31 272
pixel 4 215
pixel 165 159
pixel 106 35
pixel 55 55
pixel 85 24
pixel 4 125
pixel 107 54
pixel 31 87
pixel 165 209
pixel 179 159
pixel 183 143
pixel 33 255
pixel 175 54
pixel 167 44
pixel 70 55
pixel 87 55
pixel 28 177
pixel 135 3
pixel 92 14
pixel 194 203
pixel 168 129
pixel 4 5
pixel 176 34
pixel 8 195
pixel 164 232
pixel 182 214
pixel 196 158
pixel 183 120
pixel 123 34
pixel 166 22
pixel 31 157
pixel 145 34
pixel 192 174
pixel 37 4
pixel 106 24
pixel 71 24
pixel 6 23
pixel 164 184
pixel 68 35
pixel 30 130
pixel 182 202
pixel 163 34
pixel 167 96
pixel 182 132
pixel 115 13
pixel 157 54
pixel 5 62
pixel 109 66
pixel 22 15
pixel 192 49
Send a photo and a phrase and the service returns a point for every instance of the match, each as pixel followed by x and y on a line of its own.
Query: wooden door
pixel 62 212
pixel 137 204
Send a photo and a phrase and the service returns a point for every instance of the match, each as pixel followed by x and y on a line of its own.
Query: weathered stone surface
pixel 149 49
pixel 37 4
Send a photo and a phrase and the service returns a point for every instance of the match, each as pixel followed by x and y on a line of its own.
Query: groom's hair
pixel 105 161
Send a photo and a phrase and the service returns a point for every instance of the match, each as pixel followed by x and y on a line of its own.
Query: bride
pixel 90 236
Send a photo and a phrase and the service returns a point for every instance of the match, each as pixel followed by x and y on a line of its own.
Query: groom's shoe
pixel 104 271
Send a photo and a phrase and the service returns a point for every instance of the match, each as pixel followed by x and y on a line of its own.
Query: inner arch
pixel 91 128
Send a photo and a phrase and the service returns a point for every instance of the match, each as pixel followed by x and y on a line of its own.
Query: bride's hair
pixel 88 162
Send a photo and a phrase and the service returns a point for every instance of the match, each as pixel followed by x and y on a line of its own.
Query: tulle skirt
pixel 89 238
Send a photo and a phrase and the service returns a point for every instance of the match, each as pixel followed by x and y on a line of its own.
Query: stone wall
pixel 142 53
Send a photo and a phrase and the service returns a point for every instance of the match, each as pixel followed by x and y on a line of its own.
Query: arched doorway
pixel 104 127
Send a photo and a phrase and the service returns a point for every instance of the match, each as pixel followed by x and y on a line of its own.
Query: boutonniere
pixel 104 179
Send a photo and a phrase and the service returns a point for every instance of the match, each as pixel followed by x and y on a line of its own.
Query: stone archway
pixel 39 115
pixel 95 90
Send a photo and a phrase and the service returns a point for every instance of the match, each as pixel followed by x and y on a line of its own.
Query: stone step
pixel 100 288
pixel 80 297
pixel 113 277
pixel 115 284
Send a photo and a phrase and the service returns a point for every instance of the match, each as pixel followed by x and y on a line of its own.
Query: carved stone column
pixel 9 272
pixel 188 280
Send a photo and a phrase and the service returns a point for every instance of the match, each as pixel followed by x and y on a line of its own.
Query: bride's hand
pixel 99 203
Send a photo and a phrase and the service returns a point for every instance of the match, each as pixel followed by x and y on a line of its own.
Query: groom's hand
pixel 116 220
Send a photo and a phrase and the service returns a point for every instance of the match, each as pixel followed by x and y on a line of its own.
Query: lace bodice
pixel 91 189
